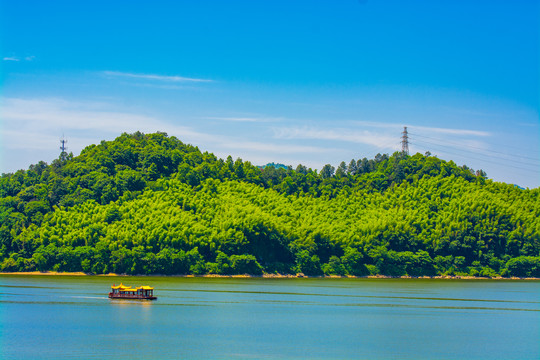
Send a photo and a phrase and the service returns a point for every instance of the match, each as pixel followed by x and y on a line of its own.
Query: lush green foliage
pixel 149 204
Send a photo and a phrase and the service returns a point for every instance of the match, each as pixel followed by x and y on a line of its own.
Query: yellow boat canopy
pixel 129 288
pixel 145 287
pixel 120 287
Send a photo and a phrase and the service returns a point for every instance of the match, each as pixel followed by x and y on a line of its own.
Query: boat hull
pixel 131 297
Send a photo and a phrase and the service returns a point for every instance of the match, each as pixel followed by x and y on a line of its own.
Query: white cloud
pixel 462 132
pixel 17 59
pixel 272 148
pixel 244 119
pixel 36 123
pixel 387 136
pixel 379 140
pixel 42 115
pixel 424 129
pixel 174 79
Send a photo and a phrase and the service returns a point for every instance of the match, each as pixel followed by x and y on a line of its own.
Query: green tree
pixel 245 264
pixel 327 171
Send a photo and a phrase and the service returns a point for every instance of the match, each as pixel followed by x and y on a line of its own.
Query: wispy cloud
pixel 379 140
pixel 272 147
pixel 385 136
pixel 452 131
pixel 42 114
pixel 535 125
pixel 427 129
pixel 34 123
pixel 17 59
pixel 244 119
pixel 163 78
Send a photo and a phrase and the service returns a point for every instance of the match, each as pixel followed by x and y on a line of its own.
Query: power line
pixel 477 148
pixel 469 155
pixel 517 169
pixel 484 155
pixel 484 160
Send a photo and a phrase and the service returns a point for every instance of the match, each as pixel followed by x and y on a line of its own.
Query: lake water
pixel 65 317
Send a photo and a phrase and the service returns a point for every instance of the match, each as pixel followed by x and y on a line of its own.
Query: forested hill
pixel 150 204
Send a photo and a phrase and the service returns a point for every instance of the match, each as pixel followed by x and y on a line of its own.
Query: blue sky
pixel 310 82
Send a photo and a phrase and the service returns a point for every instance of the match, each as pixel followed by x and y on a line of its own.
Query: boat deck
pixel 126 292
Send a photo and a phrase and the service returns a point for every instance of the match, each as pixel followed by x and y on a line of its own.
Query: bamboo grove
pixel 150 204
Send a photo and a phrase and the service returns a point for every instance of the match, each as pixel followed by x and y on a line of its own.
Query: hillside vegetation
pixel 149 204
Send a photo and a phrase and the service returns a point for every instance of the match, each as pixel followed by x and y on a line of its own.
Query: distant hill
pixel 275 166
pixel 150 204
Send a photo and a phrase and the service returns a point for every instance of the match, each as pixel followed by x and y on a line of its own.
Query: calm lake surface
pixel 66 317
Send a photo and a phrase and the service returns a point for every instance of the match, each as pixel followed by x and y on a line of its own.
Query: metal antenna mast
pixel 63 147
pixel 63 142
pixel 405 141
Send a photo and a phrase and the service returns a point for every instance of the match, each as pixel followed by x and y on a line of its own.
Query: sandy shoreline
pixel 274 276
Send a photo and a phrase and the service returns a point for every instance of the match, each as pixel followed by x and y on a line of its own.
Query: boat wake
pixel 89 297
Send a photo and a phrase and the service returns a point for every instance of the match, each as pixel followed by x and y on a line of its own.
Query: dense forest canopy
pixel 150 204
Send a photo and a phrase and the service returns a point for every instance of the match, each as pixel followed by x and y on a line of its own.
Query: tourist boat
pixel 127 292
